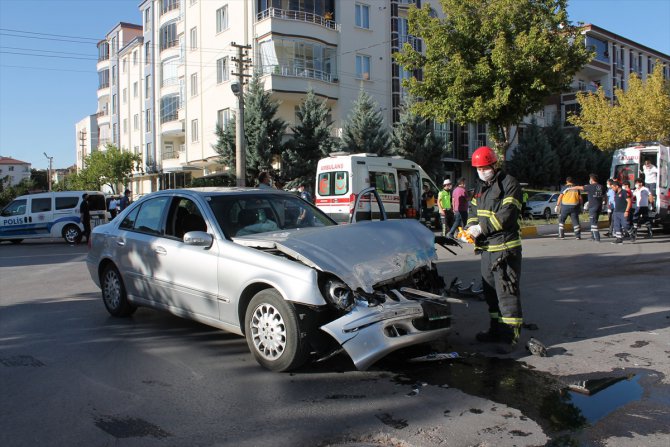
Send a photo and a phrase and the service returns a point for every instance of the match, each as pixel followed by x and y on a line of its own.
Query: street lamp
pixel 240 152
pixel 51 161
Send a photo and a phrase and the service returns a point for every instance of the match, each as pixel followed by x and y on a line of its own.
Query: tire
pixel 114 293
pixel 546 213
pixel 16 241
pixel 272 329
pixel 71 234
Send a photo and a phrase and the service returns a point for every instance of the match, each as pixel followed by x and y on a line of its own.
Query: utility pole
pixel 82 143
pixel 241 61
pixel 51 161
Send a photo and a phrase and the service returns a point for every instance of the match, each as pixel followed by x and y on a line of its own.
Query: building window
pixel 194 38
pixel 123 64
pixel 362 16
pixel 169 5
pixel 168 36
pixel 481 134
pixel 125 126
pixel 362 67
pixel 147 52
pixel 223 118
pixel 113 104
pixel 135 89
pixel 222 70
pixel 194 130
pixel 194 84
pixel 103 79
pixel 147 17
pixel 170 108
pixel 147 121
pixel 124 95
pixel 114 46
pixel 222 19
pixel 135 57
pixel 136 121
pixel 147 86
pixel 114 130
pixel 193 2
pixel 298 58
pixel 114 75
pixel 599 47
pixel 169 72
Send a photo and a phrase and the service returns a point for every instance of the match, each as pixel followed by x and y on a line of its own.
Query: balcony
pixel 299 72
pixel 172 127
pixel 414 41
pixel 298 16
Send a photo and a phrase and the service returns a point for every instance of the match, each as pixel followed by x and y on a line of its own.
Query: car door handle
pixel 120 242
pixel 160 250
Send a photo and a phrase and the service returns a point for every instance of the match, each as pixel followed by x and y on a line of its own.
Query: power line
pixel 47 34
pixel 42 68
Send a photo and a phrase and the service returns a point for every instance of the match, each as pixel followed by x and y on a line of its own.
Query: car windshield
pixel 245 214
pixel 541 197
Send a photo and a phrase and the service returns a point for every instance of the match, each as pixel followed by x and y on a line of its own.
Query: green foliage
pixel 534 162
pixel 225 179
pixel 364 130
pixel 413 139
pixel 492 61
pixel 9 193
pixel 263 132
pixel 111 167
pixel 40 179
pixel 641 113
pixel 311 141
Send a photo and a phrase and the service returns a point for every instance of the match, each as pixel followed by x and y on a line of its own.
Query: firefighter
pixel 493 223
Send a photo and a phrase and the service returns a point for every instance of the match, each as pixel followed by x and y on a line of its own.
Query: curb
pixel 551 229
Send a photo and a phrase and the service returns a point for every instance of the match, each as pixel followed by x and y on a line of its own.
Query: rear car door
pixel 41 214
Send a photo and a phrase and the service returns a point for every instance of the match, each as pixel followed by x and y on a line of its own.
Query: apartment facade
pixel 13 171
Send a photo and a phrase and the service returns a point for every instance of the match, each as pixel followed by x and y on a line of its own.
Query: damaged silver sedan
pixel 269 266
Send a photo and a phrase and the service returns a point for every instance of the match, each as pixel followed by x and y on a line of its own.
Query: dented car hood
pixel 361 254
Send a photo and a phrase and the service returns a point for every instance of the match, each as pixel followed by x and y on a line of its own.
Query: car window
pixel 40 205
pixel 15 208
pixel 183 216
pixel 335 183
pixel 241 215
pixel 539 198
pixel 129 221
pixel 149 217
pixel 96 202
pixel 383 181
pixel 66 203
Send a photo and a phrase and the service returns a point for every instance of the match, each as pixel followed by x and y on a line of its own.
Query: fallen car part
pixel 536 347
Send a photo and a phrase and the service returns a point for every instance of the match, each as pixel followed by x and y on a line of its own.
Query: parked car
pixel 271 267
pixel 542 204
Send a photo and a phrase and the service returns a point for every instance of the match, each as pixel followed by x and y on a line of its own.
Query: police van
pixel 627 164
pixel 50 214
pixel 341 176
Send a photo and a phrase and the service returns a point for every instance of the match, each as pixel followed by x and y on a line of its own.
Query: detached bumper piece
pixel 407 317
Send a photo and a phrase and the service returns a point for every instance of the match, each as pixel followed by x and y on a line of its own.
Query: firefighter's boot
pixel 493 335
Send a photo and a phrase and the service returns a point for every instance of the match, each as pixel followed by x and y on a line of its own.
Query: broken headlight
pixel 339 294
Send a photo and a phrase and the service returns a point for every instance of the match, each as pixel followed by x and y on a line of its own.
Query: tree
pixel 642 113
pixel 534 161
pixel 311 141
pixel 262 131
pixel 40 179
pixel 111 167
pixel 364 130
pixel 492 61
pixel 413 139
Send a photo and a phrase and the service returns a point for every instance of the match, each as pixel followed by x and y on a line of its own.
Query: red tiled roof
pixel 12 161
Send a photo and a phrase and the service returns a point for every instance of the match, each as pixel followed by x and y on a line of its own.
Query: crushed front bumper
pixel 369 333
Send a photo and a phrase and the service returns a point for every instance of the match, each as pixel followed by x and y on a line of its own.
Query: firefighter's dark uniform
pixel 496 207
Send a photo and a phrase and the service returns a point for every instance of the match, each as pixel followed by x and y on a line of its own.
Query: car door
pixel 187 274
pixel 14 219
pixel 135 248
pixel 41 214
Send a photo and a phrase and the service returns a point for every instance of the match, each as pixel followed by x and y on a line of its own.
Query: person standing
pixel 85 216
pixel 650 176
pixel 125 200
pixel 493 224
pixel 569 204
pixel 595 193
pixel 264 181
pixel 112 206
pixel 444 206
pixel 610 207
pixel 459 203
pixel 403 183
pixel 641 215
pixel 622 207
pixel 304 194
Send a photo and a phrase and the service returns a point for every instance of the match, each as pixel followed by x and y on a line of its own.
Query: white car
pixel 542 204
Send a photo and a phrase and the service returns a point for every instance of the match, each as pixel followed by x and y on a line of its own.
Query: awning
pixel 180 169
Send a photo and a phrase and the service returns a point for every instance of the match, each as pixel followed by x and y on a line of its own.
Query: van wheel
pixel 71 234
pixel 16 241
pixel 273 332
pixel 114 293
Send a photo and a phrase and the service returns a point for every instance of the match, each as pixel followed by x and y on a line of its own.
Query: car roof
pixel 220 190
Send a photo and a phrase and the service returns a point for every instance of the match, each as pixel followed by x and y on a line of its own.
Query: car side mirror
pixel 199 239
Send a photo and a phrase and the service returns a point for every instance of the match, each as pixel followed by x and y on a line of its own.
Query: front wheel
pixel 114 293
pixel 272 330
pixel 71 234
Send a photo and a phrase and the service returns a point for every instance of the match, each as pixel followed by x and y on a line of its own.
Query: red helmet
pixel 484 156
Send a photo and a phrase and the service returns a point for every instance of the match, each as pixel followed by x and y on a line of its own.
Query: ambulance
pixel 627 164
pixel 50 214
pixel 341 176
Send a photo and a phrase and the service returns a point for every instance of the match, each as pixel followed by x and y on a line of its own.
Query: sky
pixel 48 57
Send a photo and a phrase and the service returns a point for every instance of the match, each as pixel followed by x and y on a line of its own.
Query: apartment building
pixel 13 171
pixel 86 137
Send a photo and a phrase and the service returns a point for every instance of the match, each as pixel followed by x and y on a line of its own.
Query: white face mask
pixel 486 176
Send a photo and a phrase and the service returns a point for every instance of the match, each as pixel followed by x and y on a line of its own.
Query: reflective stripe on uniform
pixel 512 321
pixel 501 247
pixel 512 200
pixel 495 223
pixel 474 201
pixel 472 220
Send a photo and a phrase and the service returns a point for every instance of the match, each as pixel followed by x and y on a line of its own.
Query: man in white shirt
pixel 642 199
pixel 112 207
pixel 650 176
pixel 402 189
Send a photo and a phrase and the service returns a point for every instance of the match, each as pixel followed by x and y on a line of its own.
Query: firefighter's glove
pixel 556 209
pixel 474 231
pixel 464 236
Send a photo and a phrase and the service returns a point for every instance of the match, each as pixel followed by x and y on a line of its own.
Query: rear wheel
pixel 71 234
pixel 273 332
pixel 114 293
pixel 546 214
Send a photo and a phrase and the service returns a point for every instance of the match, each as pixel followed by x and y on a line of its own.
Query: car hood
pixel 361 254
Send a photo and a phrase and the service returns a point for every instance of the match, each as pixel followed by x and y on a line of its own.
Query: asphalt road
pixel 72 375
